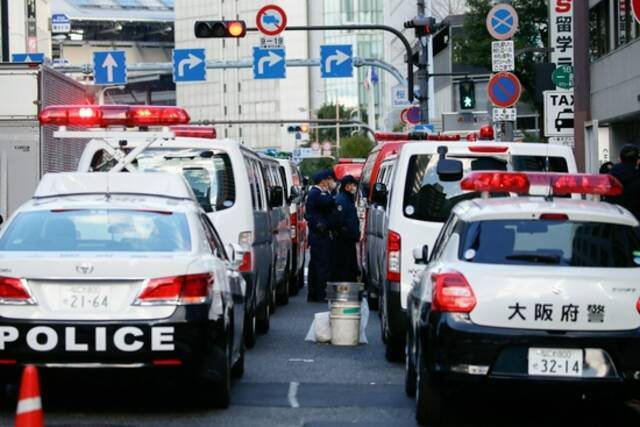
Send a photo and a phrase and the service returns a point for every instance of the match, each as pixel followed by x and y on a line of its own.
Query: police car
pixel 120 271
pixel 527 290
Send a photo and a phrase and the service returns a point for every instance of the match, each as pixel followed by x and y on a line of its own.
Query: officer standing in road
pixel 629 176
pixel 346 233
pixel 319 208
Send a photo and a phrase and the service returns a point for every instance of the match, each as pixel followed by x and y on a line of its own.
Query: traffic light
pixel 467 95
pixel 220 29
pixel 298 128
pixel 424 26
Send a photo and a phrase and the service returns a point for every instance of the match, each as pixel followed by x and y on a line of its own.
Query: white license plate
pixel 85 297
pixel 555 362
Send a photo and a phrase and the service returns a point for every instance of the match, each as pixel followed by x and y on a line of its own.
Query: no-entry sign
pixel 271 20
pixel 635 9
pixel 504 89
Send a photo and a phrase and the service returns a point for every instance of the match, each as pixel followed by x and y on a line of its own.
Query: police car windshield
pixel 551 242
pixel 97 230
pixel 427 198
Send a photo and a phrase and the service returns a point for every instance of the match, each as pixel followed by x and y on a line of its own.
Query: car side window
pixel 217 248
pixel 443 237
pixel 260 185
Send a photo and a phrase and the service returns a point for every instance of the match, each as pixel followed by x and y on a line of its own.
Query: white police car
pixel 527 291
pixel 120 271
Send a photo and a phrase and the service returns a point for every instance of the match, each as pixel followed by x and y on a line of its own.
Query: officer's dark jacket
pixel 629 177
pixel 318 210
pixel 346 222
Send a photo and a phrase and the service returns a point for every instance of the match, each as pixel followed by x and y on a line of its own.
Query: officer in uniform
pixel 346 233
pixel 319 208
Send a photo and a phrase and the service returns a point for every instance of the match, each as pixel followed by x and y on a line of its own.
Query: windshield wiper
pixel 537 258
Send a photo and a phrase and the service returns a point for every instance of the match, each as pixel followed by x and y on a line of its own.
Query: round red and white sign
pixel 635 9
pixel 271 20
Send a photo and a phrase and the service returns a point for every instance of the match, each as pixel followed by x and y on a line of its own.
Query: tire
pixel 430 400
pixel 216 394
pixel 374 302
pixel 409 371
pixel 394 345
pixel 274 293
pixel 301 277
pixel 294 288
pixel 237 370
pixel 263 324
pixel 249 329
pixel 282 298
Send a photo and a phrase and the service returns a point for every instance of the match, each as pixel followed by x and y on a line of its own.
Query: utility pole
pixel 423 68
pixel 507 127
pixel 337 127
pixel 582 88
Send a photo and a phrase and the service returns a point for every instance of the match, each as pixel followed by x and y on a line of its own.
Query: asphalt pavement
pixel 290 382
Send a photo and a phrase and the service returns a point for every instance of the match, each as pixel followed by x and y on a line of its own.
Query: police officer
pixel 319 208
pixel 629 176
pixel 346 233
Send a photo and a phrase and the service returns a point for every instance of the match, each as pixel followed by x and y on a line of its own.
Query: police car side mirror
pixel 294 194
pixel 380 194
pixel 236 254
pixel 421 255
pixel 276 197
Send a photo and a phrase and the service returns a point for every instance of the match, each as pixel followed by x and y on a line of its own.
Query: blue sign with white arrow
pixel 269 63
pixel 28 57
pixel 336 61
pixel 110 67
pixel 189 65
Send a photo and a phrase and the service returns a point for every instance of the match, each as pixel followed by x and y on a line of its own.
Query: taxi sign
pixel 271 20
pixel 502 21
pixel 504 89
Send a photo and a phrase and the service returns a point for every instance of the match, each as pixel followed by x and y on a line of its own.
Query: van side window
pixel 217 248
pixel 367 171
pixel 253 184
pixel 442 239
pixel 260 181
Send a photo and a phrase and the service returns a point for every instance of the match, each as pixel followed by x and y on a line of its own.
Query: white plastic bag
pixel 364 319
pixel 320 330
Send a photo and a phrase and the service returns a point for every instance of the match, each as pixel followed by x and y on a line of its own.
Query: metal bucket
pixel 345 291
pixel 345 323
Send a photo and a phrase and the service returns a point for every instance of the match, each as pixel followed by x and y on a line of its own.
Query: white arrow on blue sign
pixel 269 63
pixel 27 57
pixel 189 65
pixel 336 61
pixel 110 67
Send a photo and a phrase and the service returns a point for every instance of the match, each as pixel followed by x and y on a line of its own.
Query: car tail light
pixel 207 132
pixel 452 293
pixel 487 133
pixel 488 149
pixel 177 290
pixel 13 291
pixel 394 248
pixel 498 182
pixel 294 227
pixel 554 217
pixel 245 239
pixel 166 362
pixel 102 116
pixel 8 362
pixel 601 185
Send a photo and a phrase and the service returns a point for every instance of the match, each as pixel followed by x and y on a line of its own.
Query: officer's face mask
pixel 352 189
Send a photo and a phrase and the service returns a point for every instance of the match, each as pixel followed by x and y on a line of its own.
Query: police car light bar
pixel 103 116
pixel 208 132
pixel 414 136
pixel 558 184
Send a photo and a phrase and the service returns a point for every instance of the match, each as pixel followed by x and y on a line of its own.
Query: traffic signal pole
pixel 423 68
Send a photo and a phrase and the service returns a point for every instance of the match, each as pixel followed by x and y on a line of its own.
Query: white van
pixel 411 202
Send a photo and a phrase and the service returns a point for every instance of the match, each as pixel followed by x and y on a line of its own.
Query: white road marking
pixel 293 394
pixel 301 360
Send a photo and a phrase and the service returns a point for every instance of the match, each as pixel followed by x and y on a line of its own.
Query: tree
pixel 328 111
pixel 473 46
pixel 356 147
pixel 309 167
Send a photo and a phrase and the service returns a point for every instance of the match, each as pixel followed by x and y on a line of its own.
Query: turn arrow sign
pixel 191 61
pixel 339 58
pixel 271 58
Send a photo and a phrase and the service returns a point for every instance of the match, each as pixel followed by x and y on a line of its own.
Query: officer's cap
pixel 348 179
pixel 321 175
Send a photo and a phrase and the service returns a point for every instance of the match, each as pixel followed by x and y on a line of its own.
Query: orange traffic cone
pixel 29 412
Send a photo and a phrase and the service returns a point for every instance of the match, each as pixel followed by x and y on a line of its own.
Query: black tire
pixel 409 371
pixel 250 329
pixel 273 295
pixel 263 323
pixel 430 402
pixel 374 302
pixel 216 394
pixel 237 370
pixel 301 277
pixel 394 345
pixel 282 297
pixel 294 288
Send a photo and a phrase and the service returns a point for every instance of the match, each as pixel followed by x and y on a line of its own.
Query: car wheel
pixel 394 346
pixel 429 398
pixel 301 277
pixel 217 394
pixel 274 292
pixel 237 370
pixel 264 322
pixel 250 329
pixel 409 370
pixel 294 288
pixel 282 298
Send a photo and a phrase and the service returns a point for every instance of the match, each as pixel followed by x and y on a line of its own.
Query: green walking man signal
pixel 467 95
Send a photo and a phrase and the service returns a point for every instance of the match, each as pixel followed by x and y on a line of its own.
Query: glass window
pixel 539 164
pixel 561 243
pixel 217 248
pixel 367 171
pixel 599 30
pixel 98 230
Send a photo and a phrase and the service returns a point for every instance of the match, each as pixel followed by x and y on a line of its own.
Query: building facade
pixel 24 27
pixel 615 75
pixel 233 94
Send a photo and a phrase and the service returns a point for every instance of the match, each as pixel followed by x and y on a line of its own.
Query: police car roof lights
pixel 415 136
pixel 207 132
pixel 557 184
pixel 104 116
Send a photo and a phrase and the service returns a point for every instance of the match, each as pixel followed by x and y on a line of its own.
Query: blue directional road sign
pixel 27 57
pixel 502 21
pixel 336 61
pixel 189 65
pixel 269 63
pixel 110 67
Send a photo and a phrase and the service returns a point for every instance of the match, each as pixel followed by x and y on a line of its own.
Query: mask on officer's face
pixel 353 190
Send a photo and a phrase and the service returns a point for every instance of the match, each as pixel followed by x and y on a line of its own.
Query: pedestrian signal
pixel 467 95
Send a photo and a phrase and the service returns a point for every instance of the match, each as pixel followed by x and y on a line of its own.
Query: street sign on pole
pixel 110 67
pixel 504 89
pixel 502 21
pixel 28 57
pixel 413 115
pixel 561 37
pixel 399 96
pixel 271 20
pixel 505 115
pixel 558 113
pixel 269 63
pixel 502 56
pixel 189 65
pixel 635 9
pixel 271 42
pixel 563 76
pixel 336 61
pixel 60 23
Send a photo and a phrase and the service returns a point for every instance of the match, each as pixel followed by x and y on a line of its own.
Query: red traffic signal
pixel 220 29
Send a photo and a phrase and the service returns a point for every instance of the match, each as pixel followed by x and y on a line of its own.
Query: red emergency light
pixel 103 116
pixel 207 132
pixel 415 136
pixel 559 184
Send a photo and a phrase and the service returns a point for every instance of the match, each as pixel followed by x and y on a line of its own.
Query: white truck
pixel 28 151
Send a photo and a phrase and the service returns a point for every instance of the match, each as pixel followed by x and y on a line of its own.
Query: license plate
pixel 85 297
pixel 555 362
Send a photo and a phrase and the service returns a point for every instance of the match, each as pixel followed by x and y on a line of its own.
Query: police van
pixel 540 292
pixel 412 199
pixel 121 271
pixel 226 177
